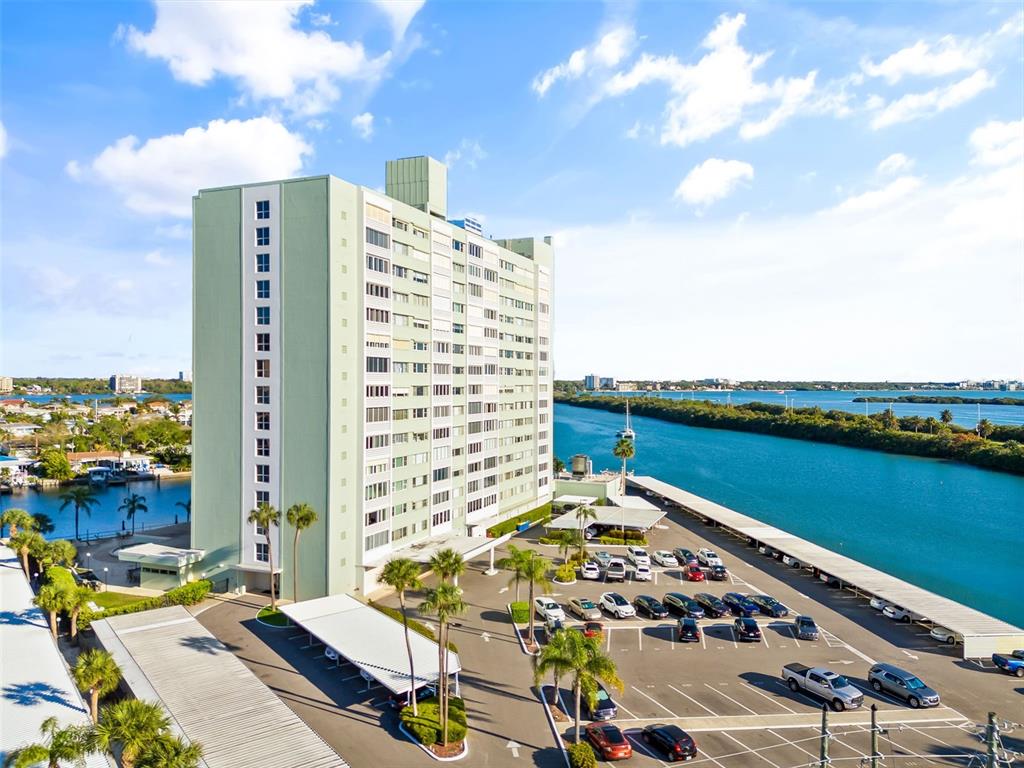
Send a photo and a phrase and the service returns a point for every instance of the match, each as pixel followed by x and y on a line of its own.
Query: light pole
pixel 88 560
pixel 106 579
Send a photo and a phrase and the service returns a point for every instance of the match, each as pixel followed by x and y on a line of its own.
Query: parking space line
pixel 764 639
pixel 793 633
pixel 646 696
pixel 709 757
pixel 703 642
pixel 688 696
pixel 770 698
pixel 808 699
pixel 881 694
pixel 732 632
pixel 792 743
pixel 730 698
pixel 643 748
pixel 751 750
pixel 640 637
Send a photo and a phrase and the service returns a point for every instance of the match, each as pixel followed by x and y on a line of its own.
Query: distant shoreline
pixel 942 400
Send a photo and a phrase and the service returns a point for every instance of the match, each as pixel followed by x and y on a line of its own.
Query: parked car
pixel 638 556
pixel 649 606
pixel 713 606
pixel 1012 664
pixel 617 605
pixel 805 628
pixel 878 603
pixel 604 707
pixel 592 629
pixel 944 635
pixel 665 558
pixel 642 572
pixel 584 608
pixel 590 570
pixel 590 532
pixel 685 556
pixel 608 741
pixel 693 573
pixel 769 606
pixel 676 743
pixel 896 613
pixel 602 558
pixel 708 557
pixel 681 605
pixel 903 685
pixel 548 608
pixel 687 630
pixel 615 571
pixel 718 573
pixel 746 630
pixel 739 605
pixel 400 700
pixel 834 689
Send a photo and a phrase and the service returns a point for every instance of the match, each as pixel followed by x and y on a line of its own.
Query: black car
pixel 604 707
pixel 769 606
pixel 650 607
pixel 676 743
pixel 747 630
pixel 679 604
pixel 718 573
pixel 400 700
pixel 687 631
pixel 740 605
pixel 713 607
pixel 685 557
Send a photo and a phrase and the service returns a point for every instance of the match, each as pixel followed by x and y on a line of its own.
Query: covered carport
pixel 612 517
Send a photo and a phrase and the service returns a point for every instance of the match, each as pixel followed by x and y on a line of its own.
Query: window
pixel 376 516
pixel 442 474
pixel 378 214
pixel 262 209
pixel 262 342
pixel 373 237
pixel 399 224
pixel 262 552
pixel 262 446
pixel 262 473
pixel 262 289
pixel 380 291
pixel 262 420
pixel 262 235
pixel 262 497
pixel 377 264
pixel 263 370
pixel 262 262
pixel 476 250
pixel 262 315
pixel 262 395
pixel 376 540
pixel 377 414
pixel 377 364
pixel 457 245
pixel 377 441
pixel 378 390
pixel 378 315
pixel 376 490
pixel 439 518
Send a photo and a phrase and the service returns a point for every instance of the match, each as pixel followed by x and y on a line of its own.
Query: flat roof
pixel 569 498
pixel 372 641
pixel 160 554
pixel 950 614
pixel 169 658
pixel 614 516
pixel 421 552
pixel 34 679
pixel 631 502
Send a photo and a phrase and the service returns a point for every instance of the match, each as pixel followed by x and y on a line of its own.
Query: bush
pixel 581 756
pixel 521 612
pixel 426 725
pixel 538 515
pixel 416 626
pixel 577 559
pixel 614 540
pixel 565 573
pixel 190 594
pixel 59 576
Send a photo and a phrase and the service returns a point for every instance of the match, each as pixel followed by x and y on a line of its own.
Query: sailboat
pixel 627 433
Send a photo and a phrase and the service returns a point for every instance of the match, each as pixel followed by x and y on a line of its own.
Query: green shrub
pixel 613 540
pixel 581 756
pixel 59 576
pixel 426 724
pixel 577 559
pixel 538 515
pixel 565 573
pixel 416 626
pixel 190 594
pixel 521 612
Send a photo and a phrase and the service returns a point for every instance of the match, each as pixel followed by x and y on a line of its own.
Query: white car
pixel 642 573
pixel 590 570
pixel 944 635
pixel 879 604
pixel 896 613
pixel 665 558
pixel 638 556
pixel 549 609
pixel 617 605
pixel 708 557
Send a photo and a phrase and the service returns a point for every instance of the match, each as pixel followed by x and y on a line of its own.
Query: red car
pixel 593 629
pixel 608 741
pixel 693 573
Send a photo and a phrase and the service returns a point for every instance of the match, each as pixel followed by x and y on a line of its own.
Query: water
pixel 88 399
pixel 964 415
pixel 953 529
pixel 105 519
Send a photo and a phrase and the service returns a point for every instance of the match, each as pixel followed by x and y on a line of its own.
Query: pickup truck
pixel 1013 664
pixel 824 684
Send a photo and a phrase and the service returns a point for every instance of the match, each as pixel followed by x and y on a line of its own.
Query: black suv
pixel 713 607
pixel 681 605
pixel 649 606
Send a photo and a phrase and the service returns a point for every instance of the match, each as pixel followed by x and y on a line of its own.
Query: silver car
pixel 886 678
pixel 584 608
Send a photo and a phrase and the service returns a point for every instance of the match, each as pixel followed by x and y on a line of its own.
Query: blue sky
pixel 746 190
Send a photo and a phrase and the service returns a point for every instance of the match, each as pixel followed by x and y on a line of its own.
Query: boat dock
pixel 982 634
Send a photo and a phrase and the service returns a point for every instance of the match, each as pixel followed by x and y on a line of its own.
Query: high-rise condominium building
pixel 357 352
pixel 125 383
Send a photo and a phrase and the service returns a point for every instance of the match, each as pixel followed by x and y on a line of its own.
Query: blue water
pixel 950 528
pixel 964 415
pixel 105 518
pixel 179 397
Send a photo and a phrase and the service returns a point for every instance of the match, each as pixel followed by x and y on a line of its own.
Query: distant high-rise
pixel 6 385
pixel 184 375
pixel 125 384
pixel 591 381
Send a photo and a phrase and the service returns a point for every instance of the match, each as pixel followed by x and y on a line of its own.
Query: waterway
pixel 177 397
pixel 951 528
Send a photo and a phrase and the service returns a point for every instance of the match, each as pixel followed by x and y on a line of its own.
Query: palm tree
pixel 985 428
pixel 131 724
pixel 448 565
pixel 555 657
pixel 60 746
pixel 265 516
pixel 81 497
pixel 557 465
pixel 168 751
pixel 44 523
pixel 625 450
pixel 24 542
pixel 78 598
pixel 536 572
pixel 584 513
pixel 133 504
pixel 589 665
pixel 58 552
pixel 16 519
pixel 403 574
pixel 946 417
pixel 97 674
pixel 187 506
pixel 517 562
pixel 445 602
pixel 300 517
pixel 53 600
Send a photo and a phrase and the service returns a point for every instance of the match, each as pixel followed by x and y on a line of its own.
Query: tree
pixel 97 674
pixel 517 562
pixel 557 465
pixel 44 523
pixel 265 516
pixel 402 574
pixel 133 504
pixel 15 519
pixel 445 602
pixel 187 506
pixel 625 450
pixel 584 513
pixel 24 542
pixel 58 552
pixel 53 600
pixel 169 751
pixel 78 598
pixel 985 428
pixel 589 665
pixel 81 497
pixel 946 417
pixel 555 657
pixel 448 565
pixel 69 744
pixel 300 517
pixel 536 572
pixel 132 725
pixel 55 465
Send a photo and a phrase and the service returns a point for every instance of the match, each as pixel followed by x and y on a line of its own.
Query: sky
pixel 751 191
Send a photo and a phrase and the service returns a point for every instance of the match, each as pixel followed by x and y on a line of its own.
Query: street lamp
pixel 106 579
pixel 88 560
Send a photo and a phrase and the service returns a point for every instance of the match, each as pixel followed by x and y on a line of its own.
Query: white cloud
pixel 794 94
pixel 157 259
pixel 914 106
pixel 713 180
pixel 363 125
pixel 610 49
pixel 3 141
pixel 893 164
pixel 259 45
pixel 400 14
pixel 876 199
pixel 998 143
pixel 160 176
pixel 469 152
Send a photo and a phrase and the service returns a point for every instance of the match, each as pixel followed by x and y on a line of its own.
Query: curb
pixel 564 583
pixel 410 737
pixel 519 636
pixel 551 722
pixel 272 626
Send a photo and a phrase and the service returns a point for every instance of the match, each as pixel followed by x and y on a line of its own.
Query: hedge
pixel 539 515
pixel 416 626
pixel 618 540
pixel 581 756
pixel 426 725
pixel 59 576
pixel 190 594
pixel 565 573
pixel 521 612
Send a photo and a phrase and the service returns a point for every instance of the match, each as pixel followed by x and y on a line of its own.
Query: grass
pixel 272 617
pixel 108 600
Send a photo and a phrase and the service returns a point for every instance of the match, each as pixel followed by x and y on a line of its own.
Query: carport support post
pixel 874 736
pixel 990 741
pixel 824 761
pixel 491 571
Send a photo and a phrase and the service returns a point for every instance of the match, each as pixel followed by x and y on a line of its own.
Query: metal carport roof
pixel 643 519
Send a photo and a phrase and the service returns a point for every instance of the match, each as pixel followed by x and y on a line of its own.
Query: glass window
pixel 262 473
pixel 262 446
pixel 262 552
pixel 263 370
pixel 262 342
pixel 373 237
pixel 262 235
pixel 262 289
pixel 262 209
pixel 262 395
pixel 263 420
pixel 262 262
pixel 262 315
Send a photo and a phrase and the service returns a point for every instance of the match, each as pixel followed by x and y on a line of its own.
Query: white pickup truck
pixel 824 684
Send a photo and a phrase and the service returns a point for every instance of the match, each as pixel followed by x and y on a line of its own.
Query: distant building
pixel 591 381
pixel 6 385
pixel 125 384
pixel 626 386
pixel 470 225
pixel 185 376
pixel 607 382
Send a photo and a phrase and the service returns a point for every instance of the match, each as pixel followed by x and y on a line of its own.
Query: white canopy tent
pixel 373 642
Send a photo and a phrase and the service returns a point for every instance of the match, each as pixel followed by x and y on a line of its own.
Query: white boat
pixel 627 433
